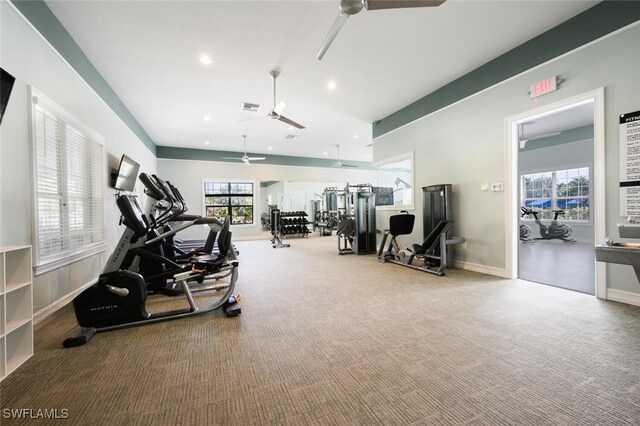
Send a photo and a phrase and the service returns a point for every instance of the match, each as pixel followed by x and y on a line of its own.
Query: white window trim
pixel 573 166
pixel 256 189
pixel 36 97
pixel 404 156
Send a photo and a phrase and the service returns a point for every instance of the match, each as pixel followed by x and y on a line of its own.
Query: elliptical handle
pixel 151 189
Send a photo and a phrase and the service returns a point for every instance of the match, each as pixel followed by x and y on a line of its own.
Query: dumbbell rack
pixel 294 223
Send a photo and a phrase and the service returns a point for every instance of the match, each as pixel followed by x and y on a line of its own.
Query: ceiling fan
pixel 351 7
pixel 339 163
pixel 245 158
pixel 276 112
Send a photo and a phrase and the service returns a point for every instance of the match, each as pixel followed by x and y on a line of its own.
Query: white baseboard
pixel 622 296
pixel 53 307
pixel 483 269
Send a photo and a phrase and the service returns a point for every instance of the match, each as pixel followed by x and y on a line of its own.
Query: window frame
pixel 229 205
pixel 400 157
pixel 554 195
pixel 42 264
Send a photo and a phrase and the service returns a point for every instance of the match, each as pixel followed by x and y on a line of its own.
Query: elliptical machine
pixel 118 299
pixel 555 230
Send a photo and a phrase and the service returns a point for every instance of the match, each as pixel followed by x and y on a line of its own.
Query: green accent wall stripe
pixel 173 153
pixel 596 22
pixel 567 136
pixel 41 17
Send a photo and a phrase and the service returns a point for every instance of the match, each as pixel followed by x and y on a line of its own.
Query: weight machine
pixel 326 217
pixel 276 230
pixel 357 222
pixel 434 254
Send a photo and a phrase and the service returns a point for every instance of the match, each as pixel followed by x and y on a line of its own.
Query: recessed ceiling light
pixel 270 148
pixel 325 153
pixel 206 59
pixel 207 143
pixel 207 118
pixel 355 136
pixel 331 85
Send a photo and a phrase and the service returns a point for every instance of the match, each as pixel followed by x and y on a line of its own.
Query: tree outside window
pixel 229 198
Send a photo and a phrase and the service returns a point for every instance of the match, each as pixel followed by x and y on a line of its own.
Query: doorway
pixel 555 164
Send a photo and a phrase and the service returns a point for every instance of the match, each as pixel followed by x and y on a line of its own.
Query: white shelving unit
pixel 16 308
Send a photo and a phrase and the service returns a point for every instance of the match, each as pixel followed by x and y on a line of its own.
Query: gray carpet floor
pixel 328 339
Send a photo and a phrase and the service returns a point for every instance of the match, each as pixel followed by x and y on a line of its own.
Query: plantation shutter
pixel 68 184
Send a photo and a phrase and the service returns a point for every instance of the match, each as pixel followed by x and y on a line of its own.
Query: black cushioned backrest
pixel 210 243
pixel 401 224
pixel 223 240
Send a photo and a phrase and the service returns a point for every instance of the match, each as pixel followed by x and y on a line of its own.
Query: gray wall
pixel 464 145
pixel 560 157
pixel 33 62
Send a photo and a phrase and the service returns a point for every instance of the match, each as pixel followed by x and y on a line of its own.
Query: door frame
pixel 511 172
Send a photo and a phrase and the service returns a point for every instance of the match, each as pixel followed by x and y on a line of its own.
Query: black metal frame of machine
pixel 357 225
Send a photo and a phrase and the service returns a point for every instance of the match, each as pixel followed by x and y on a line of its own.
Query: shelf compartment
pixel 14 325
pixel 17 267
pixel 19 347
pixel 14 286
pixel 18 307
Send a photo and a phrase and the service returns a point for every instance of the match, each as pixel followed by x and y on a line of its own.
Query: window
pixel 68 167
pixel 394 190
pixel 567 190
pixel 222 199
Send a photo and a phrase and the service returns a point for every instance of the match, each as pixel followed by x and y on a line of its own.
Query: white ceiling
pixel 381 61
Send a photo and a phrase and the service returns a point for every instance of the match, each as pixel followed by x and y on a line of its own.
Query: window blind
pixel 68 185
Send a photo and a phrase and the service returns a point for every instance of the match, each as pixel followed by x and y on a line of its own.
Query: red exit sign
pixel 543 87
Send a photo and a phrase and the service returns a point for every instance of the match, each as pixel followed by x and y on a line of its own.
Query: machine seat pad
pixel 401 224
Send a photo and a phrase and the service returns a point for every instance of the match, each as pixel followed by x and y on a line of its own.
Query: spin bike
pixel 525 230
pixel 555 230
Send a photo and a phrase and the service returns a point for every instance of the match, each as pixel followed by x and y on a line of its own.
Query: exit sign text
pixel 543 87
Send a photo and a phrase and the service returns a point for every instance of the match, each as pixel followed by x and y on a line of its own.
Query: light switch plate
pixel 484 186
pixel 497 187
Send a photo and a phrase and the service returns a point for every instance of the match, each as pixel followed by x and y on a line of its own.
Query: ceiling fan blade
pixel 333 32
pixel 290 122
pixel 347 165
pixel 232 158
pixel 391 4
pixel 256 158
pixel 278 109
